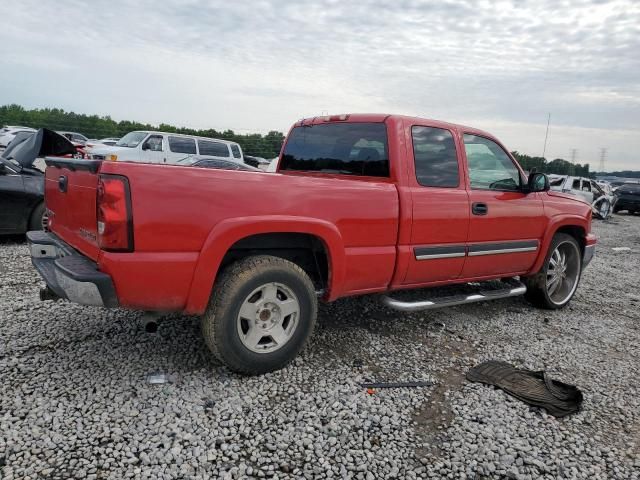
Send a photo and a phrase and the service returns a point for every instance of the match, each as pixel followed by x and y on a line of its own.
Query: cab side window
pixel 153 143
pixel 490 168
pixel 435 157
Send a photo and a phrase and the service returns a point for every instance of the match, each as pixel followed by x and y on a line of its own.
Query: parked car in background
pixel 257 162
pixel 273 165
pixel 22 185
pixel 601 201
pixel 9 132
pixel 204 161
pixel 628 198
pixel 360 204
pixel 74 137
pixel 108 141
pixel 160 147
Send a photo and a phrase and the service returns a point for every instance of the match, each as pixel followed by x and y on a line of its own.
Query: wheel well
pixel 576 232
pixel 305 250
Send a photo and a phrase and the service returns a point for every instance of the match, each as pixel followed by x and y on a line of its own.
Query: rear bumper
pixel 69 274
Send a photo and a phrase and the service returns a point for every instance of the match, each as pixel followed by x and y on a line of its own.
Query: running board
pixel 506 289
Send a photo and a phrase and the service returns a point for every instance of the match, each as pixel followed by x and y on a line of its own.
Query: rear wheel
pixel 38 220
pixel 262 312
pixel 555 284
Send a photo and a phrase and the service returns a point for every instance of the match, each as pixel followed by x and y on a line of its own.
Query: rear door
pixel 506 224
pixel 440 205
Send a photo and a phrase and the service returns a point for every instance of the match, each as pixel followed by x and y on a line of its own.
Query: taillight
pixel 115 223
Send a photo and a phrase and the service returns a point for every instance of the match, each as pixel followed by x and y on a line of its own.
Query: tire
pixel 616 209
pixel 38 218
pixel 604 209
pixel 548 289
pixel 261 314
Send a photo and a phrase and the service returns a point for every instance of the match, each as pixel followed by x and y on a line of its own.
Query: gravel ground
pixel 75 401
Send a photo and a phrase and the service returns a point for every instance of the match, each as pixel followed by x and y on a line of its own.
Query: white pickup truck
pixel 601 201
pixel 170 148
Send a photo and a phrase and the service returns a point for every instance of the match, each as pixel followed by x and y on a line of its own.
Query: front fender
pixel 554 225
pixel 226 233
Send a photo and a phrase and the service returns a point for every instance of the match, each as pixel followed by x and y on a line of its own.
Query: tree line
pixel 94 126
pixel 557 166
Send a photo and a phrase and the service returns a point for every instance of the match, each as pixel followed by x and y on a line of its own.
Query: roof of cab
pixel 382 117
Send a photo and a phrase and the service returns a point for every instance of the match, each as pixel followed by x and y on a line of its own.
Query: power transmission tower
pixel 574 154
pixel 603 156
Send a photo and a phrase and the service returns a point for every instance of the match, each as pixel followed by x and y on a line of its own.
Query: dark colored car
pixel 628 198
pixel 256 161
pixel 22 184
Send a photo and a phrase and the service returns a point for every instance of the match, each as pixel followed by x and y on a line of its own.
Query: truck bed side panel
pixel 176 208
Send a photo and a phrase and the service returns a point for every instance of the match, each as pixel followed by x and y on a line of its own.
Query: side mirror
pixel 145 146
pixel 538 182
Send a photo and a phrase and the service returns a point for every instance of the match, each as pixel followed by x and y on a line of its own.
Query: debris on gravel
pixel 76 400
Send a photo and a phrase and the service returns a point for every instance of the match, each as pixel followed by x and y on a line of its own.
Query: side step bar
pixel 512 289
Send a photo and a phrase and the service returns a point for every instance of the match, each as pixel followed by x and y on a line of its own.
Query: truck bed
pixel 177 210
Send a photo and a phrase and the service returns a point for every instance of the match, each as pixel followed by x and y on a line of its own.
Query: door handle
pixel 479 208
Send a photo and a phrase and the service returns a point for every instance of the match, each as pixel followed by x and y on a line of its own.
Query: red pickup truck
pixel 360 204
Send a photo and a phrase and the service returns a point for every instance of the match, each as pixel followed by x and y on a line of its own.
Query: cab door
pixel 440 205
pixel 153 150
pixel 506 224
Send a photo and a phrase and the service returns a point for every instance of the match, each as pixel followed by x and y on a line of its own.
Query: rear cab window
pixel 356 148
pixel 182 145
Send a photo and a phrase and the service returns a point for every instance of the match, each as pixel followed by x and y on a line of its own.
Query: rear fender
pixel 226 233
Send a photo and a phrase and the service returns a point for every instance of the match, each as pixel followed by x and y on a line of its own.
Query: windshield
pixel 131 139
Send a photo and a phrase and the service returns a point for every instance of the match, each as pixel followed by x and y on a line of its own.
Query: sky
pixel 256 66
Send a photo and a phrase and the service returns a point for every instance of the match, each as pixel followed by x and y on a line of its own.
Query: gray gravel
pixel 75 402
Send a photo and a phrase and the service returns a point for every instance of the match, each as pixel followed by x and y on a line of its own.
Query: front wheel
pixel 262 312
pixel 555 284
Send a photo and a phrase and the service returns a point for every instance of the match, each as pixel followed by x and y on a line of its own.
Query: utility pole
pixel 544 149
pixel 603 156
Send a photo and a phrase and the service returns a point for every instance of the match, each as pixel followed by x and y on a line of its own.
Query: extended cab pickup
pixel 361 203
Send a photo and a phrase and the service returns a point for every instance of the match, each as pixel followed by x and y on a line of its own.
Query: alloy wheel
pixel 563 273
pixel 268 318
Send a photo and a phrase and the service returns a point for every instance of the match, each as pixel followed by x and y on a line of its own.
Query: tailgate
pixel 70 197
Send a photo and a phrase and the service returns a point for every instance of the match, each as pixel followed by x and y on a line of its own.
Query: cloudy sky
pixel 261 65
